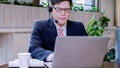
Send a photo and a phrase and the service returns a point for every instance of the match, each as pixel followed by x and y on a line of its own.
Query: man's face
pixel 61 12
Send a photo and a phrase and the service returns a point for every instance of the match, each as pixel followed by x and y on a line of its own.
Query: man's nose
pixel 63 12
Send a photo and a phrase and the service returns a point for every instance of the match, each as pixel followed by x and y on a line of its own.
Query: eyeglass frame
pixel 59 10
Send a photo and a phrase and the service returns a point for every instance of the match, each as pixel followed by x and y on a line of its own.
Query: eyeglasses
pixel 59 10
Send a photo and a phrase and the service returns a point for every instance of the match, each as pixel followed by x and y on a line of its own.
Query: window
pixel 80 5
pixel 86 4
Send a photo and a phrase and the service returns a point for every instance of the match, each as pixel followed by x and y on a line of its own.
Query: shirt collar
pixel 57 26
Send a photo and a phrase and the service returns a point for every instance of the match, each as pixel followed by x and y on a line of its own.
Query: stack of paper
pixel 32 63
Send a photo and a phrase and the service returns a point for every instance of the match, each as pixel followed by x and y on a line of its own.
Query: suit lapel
pixel 52 28
pixel 69 28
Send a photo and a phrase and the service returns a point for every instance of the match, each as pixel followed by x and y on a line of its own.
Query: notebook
pixel 79 51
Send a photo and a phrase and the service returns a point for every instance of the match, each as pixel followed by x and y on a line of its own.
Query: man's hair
pixel 53 2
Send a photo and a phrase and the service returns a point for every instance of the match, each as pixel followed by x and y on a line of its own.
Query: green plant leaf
pixel 91 22
pixel 96 28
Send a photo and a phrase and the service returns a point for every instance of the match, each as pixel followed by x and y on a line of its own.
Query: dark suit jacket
pixel 44 35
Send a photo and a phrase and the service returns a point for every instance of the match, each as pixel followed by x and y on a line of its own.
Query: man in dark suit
pixel 44 33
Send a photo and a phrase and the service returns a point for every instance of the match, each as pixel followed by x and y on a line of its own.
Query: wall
pixel 20 16
pixel 12 16
pixel 13 41
pixel 117 12
pixel 84 17
pixel 108 6
pixel 5 51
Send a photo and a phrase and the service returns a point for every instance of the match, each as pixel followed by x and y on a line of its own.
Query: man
pixel 44 32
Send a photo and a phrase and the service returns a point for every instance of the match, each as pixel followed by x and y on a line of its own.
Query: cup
pixel 23 60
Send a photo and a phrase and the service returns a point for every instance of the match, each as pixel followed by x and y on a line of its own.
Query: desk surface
pixel 6 66
pixel 106 65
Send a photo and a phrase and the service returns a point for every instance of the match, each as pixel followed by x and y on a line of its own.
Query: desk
pixel 109 65
pixel 6 66
pixel 106 65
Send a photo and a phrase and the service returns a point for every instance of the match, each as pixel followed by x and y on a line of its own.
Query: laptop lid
pixel 79 51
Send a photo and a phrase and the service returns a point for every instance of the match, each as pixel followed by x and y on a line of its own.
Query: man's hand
pixel 50 57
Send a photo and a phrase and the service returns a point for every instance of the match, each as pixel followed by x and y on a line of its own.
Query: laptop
pixel 79 51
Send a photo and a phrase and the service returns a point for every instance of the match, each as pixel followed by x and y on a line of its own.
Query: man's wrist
pixel 50 57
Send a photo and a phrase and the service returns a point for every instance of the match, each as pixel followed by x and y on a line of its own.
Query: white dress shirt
pixel 63 27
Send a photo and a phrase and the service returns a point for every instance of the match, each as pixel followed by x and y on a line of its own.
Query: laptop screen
pixel 79 51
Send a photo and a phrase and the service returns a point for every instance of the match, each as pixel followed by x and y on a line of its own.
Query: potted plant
pixel 97 28
pixel 5 2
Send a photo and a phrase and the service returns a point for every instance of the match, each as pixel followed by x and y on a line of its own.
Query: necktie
pixel 60 31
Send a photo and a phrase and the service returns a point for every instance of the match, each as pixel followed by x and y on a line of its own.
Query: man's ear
pixel 49 9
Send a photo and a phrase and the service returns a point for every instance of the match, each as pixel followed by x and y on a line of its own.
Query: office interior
pixel 16 24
